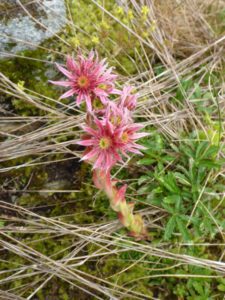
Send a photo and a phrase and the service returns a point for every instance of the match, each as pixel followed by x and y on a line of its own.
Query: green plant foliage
pixel 176 180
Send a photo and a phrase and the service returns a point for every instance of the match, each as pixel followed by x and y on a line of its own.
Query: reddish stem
pixel 133 222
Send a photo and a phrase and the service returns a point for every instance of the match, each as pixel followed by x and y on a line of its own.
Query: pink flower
pixel 101 145
pixel 127 98
pixel 88 79
pixel 106 142
pixel 120 113
pixel 127 136
pixel 117 114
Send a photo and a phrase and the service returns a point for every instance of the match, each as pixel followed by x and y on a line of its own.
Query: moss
pixel 31 75
pixel 108 37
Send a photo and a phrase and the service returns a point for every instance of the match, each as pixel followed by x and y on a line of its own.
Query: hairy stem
pixel 133 222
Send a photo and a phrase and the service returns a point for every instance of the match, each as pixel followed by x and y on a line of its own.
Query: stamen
pixel 83 81
pixel 105 143
pixel 97 104
pixel 125 137
pixel 103 86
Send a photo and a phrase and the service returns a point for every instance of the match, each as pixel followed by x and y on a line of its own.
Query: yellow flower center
pixel 103 86
pixel 97 104
pixel 125 137
pixel 115 120
pixel 83 81
pixel 105 143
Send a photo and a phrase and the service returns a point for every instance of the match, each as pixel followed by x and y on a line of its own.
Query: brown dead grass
pixel 189 25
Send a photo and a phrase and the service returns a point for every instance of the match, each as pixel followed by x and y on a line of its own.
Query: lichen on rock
pixel 25 24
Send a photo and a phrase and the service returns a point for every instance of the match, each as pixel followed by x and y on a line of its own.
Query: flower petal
pixel 139 135
pixel 70 63
pixel 90 130
pixel 62 83
pixel 90 154
pixel 88 102
pixel 79 99
pixel 67 94
pixel 64 71
pixel 99 163
pixel 135 151
pixel 85 142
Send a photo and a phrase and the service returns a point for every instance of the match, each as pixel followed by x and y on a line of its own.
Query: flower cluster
pixel 107 141
pixel 88 79
pixel 110 132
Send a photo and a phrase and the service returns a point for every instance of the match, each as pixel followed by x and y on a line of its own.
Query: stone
pixel 19 31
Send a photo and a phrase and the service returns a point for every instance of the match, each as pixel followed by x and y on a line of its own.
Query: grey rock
pixel 19 31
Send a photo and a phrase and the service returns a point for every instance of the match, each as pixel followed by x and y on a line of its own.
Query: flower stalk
pixel 109 131
pixel 133 222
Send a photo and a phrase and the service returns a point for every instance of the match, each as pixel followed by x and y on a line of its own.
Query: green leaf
pixel 208 163
pixel 170 228
pixel 146 161
pixel 221 287
pixel 143 179
pixel 167 158
pixel 169 208
pixel 198 287
pixel 182 228
pixel 202 147
pixel 185 84
pixel 172 199
pixel 169 181
pixel 178 203
pixel 198 91
pixel 144 189
pixel 211 151
pixel 187 151
pixel 182 178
